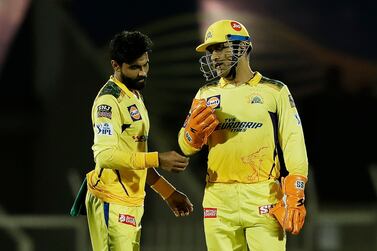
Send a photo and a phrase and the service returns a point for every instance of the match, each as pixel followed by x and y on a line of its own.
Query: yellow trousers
pixel 236 217
pixel 113 227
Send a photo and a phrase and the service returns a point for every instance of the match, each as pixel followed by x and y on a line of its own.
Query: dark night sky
pixel 348 26
pixel 345 26
pixel 104 18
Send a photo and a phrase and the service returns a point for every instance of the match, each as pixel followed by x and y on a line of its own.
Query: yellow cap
pixel 222 31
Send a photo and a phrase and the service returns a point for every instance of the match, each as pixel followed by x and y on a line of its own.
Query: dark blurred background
pixel 53 60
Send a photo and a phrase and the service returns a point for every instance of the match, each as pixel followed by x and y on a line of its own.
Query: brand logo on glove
pixel 210 212
pixel 300 184
pixel 188 137
pixel 134 113
pixel 300 202
pixel 214 101
pixel 193 130
pixel 127 219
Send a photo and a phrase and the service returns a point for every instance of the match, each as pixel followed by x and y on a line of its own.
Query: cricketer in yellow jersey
pixel 255 139
pixel 115 196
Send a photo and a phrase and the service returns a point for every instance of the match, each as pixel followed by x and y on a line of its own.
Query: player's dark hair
pixel 127 46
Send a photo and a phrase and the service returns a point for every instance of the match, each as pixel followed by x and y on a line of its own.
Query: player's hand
pixel 200 124
pixel 179 204
pixel 290 210
pixel 172 161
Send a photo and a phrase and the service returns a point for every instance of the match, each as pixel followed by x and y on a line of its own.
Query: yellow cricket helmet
pixel 223 31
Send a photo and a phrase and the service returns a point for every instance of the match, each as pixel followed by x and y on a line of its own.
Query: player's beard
pixel 228 72
pixel 137 83
pixel 231 73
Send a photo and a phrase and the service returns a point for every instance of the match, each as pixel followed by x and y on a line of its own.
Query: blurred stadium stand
pixel 57 63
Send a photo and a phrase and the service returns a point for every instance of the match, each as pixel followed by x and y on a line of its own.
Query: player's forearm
pixel 115 159
pixel 152 176
pixel 185 148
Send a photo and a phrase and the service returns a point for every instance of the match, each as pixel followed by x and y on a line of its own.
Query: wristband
pixel 163 188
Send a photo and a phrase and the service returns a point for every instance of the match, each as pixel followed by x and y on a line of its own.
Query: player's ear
pixel 115 65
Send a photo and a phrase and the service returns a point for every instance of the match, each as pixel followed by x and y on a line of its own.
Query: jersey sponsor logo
pixel 265 209
pixel 256 100
pixel 141 138
pixel 127 219
pixel 210 212
pixel 105 129
pixel 238 126
pixel 236 26
pixel 291 101
pixel 214 101
pixel 104 111
pixel 134 112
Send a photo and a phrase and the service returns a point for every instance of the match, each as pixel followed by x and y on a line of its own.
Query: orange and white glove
pixel 290 210
pixel 200 123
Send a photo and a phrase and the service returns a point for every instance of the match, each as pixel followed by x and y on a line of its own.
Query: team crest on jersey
pixel 265 209
pixel 210 212
pixel 105 129
pixel 214 101
pixel 104 111
pixel 134 112
pixel 236 26
pixel 256 100
pixel 127 219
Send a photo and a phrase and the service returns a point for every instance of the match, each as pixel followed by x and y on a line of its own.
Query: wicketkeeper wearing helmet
pixel 257 161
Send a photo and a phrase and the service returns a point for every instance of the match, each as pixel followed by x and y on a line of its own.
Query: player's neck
pixel 243 75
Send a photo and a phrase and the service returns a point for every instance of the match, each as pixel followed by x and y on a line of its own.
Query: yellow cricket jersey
pixel 259 134
pixel 121 126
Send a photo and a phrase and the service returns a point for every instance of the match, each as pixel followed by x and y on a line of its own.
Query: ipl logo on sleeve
pixel 105 129
pixel 134 113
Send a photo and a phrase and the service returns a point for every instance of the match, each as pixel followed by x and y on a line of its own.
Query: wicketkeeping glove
pixel 290 210
pixel 200 123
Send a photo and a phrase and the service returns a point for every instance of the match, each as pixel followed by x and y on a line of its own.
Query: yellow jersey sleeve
pixel 290 134
pixel 107 126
